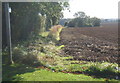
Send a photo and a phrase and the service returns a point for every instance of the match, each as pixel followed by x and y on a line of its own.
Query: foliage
pixel 64 22
pixel 82 20
pixel 22 55
pixel 44 34
pixel 80 14
pixel 28 19
pixel 31 18
pixel 37 51
pixel 55 31
pixel 95 21
pixel 107 68
pixel 42 52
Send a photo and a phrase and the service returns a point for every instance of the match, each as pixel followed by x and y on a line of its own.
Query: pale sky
pixel 97 8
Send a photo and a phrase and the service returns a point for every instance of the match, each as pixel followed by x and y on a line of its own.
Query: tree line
pixel 31 18
pixel 82 20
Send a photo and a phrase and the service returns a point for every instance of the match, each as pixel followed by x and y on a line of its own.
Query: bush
pixel 21 55
pixel 55 31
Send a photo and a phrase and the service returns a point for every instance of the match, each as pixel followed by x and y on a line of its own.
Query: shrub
pixel 18 54
pixel 21 55
pixel 55 32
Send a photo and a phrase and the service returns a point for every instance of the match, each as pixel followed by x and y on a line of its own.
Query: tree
pixel 80 15
pixel 88 21
pixel 54 13
pixel 71 23
pixel 82 20
pixel 95 21
pixel 25 19
pixel 42 23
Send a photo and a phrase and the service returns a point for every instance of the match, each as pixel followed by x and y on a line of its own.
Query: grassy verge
pixel 42 52
pixel 27 73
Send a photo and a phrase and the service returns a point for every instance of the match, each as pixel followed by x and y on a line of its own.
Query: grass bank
pixel 44 61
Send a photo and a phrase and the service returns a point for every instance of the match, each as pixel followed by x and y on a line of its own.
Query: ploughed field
pixel 91 43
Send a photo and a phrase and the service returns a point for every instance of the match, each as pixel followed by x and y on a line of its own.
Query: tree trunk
pixel 42 23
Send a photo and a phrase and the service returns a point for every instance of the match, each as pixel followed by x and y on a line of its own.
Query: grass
pixel 10 72
pixel 27 73
pixel 44 75
pixel 20 72
pixel 108 69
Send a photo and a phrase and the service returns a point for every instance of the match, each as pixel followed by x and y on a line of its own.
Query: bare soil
pixel 91 43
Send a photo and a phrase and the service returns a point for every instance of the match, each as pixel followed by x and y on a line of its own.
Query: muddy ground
pixel 91 43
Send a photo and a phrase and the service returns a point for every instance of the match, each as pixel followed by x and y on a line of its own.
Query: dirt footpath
pixel 91 43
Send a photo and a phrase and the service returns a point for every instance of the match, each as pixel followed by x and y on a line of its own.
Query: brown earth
pixel 91 43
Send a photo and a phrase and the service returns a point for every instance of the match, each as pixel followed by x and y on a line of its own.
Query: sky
pixel 104 9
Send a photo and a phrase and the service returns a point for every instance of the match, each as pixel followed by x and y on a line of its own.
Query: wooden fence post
pixel 8 30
